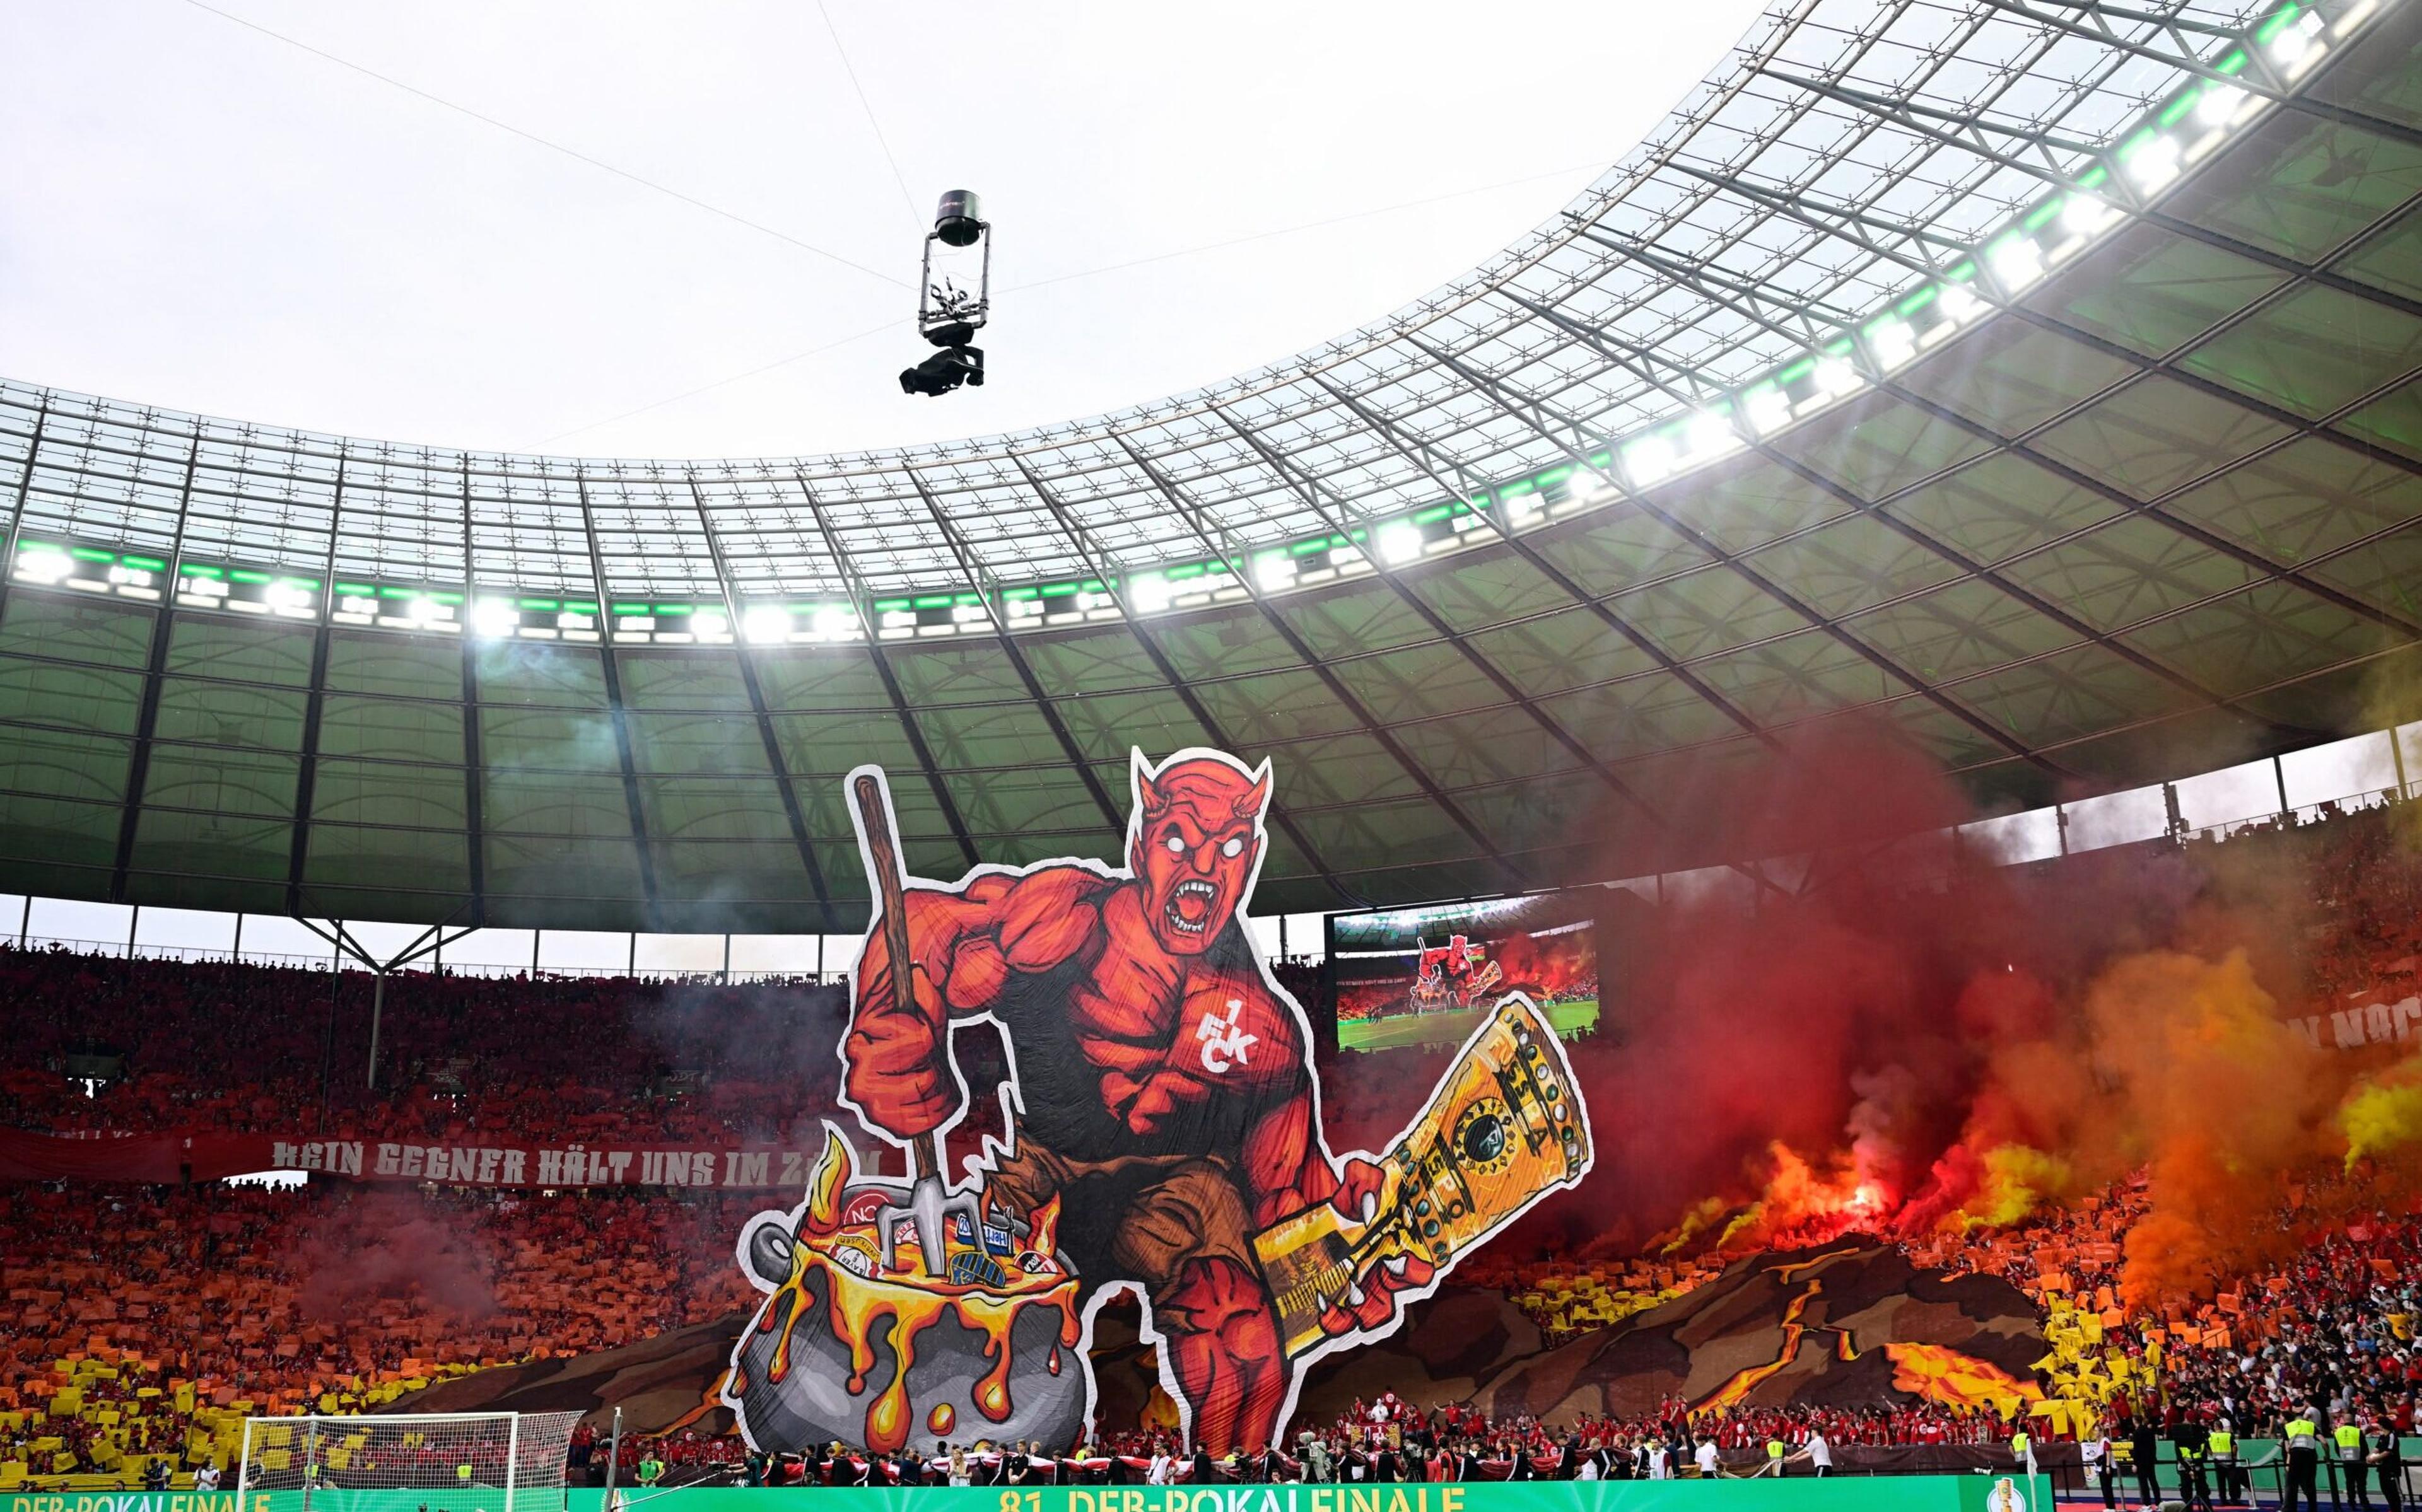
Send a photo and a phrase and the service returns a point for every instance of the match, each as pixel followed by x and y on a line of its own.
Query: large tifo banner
pixel 2384 1015
pixel 180 1157
pixel 1165 1140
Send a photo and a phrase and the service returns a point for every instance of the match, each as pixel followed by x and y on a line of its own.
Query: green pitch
pixel 1565 1018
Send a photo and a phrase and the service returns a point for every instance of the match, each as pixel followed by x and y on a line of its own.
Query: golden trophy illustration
pixel 1506 1126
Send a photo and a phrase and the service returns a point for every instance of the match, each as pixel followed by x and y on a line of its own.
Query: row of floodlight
pixel 98 571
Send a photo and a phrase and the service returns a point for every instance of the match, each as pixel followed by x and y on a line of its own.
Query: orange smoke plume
pixel 1892 1035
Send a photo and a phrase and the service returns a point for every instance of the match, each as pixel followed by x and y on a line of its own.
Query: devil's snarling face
pixel 1195 841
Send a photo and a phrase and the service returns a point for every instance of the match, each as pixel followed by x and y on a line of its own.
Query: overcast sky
pixel 199 214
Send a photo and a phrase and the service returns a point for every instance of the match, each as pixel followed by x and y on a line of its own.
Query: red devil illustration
pixel 1163 1085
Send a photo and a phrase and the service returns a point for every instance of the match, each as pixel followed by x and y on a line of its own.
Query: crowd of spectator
pixel 153 1307
pixel 225 1047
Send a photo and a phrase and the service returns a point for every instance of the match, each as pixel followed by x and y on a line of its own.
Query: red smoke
pixel 382 1245
pixel 1899 1035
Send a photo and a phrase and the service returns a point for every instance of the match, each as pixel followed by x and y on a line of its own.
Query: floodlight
pixel 1709 430
pixel 1649 459
pixel 2084 215
pixel 832 624
pixel 1836 375
pixel 493 617
pixel 1960 302
pixel 421 610
pixel 2218 106
pixel 767 622
pixel 1892 341
pixel 2155 163
pixel 1273 571
pixel 1148 592
pixel 1769 410
pixel 2293 42
pixel 286 598
pixel 2016 263
pixel 710 622
pixel 1400 543
pixel 43 567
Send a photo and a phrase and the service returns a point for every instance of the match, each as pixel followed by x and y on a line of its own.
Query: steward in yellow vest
pixel 2221 1443
pixel 2299 1436
pixel 2348 1436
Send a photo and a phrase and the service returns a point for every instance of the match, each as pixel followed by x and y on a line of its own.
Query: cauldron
pixel 810 1396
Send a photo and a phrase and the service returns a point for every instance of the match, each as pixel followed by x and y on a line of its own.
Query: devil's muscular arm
pixel 966 946
pixel 1286 1163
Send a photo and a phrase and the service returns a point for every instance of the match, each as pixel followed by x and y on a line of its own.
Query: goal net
pixel 426 1462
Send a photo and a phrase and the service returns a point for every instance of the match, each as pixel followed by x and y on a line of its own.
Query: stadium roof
pixel 2032 375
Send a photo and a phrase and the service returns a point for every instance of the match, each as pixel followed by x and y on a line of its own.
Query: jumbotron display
pixel 1415 977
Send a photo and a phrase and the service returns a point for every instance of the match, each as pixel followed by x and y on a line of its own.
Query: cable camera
pixel 948 314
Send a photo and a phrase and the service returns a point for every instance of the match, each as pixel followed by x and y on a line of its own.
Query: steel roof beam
pixel 744 656
pixel 1103 573
pixel 1009 648
pixel 2140 210
pixel 1883 514
pixel 617 714
pixel 2185 59
pixel 17 507
pixel 2168 365
pixel 1313 494
pixel 1505 685
pixel 870 623
pixel 315 699
pixel 1717 552
pixel 1372 724
pixel 155 666
pixel 2117 496
pixel 1419 452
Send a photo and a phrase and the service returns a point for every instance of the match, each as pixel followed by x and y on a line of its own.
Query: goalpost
pixel 408 1462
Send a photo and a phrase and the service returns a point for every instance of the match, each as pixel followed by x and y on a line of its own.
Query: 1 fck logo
pixel 1222 1045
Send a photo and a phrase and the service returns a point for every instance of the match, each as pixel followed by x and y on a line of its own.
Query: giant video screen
pixel 1426 975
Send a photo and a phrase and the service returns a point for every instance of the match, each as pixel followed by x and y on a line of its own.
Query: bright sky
pixel 293 212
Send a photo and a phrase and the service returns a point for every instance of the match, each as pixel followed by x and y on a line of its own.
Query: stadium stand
pixel 141 1322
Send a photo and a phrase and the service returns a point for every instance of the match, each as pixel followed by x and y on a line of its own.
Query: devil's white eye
pixel 1176 845
pixel 1235 848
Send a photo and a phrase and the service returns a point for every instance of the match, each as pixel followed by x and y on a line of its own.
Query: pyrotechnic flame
pixel 832 1176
